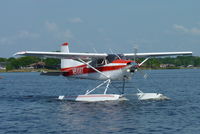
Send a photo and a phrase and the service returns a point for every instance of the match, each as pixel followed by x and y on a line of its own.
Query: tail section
pixel 66 63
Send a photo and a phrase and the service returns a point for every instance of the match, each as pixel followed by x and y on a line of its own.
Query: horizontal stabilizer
pixel 51 73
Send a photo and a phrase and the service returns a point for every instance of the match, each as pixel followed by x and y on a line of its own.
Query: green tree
pixel 16 63
pixel 3 59
pixel 51 61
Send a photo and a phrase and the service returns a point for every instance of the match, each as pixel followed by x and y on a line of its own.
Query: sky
pixel 108 26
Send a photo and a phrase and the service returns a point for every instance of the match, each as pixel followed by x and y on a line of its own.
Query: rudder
pixel 67 63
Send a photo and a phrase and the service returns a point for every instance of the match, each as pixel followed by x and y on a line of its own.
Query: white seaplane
pixel 100 66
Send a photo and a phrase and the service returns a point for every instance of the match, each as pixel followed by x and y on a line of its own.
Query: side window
pixel 100 62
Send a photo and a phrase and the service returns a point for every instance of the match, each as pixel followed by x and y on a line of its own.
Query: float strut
pixel 123 87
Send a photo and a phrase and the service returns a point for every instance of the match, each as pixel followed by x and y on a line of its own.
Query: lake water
pixel 28 104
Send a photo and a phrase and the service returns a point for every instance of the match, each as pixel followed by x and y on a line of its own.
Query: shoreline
pixel 48 70
pixel 27 70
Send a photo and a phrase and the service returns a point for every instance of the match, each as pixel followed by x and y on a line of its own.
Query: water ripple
pixel 30 105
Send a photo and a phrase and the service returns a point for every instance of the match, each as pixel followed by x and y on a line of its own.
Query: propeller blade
pixel 135 52
pixel 145 75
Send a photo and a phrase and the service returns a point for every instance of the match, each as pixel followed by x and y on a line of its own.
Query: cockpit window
pixel 112 57
pixel 98 62
pixel 109 59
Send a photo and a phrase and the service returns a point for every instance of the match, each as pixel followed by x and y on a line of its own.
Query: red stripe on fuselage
pixel 121 61
pixel 83 69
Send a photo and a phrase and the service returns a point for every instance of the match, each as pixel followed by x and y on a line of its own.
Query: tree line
pixel 180 61
pixel 17 63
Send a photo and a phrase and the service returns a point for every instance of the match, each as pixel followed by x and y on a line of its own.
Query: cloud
pixel 20 35
pixel 75 20
pixel 57 32
pixel 182 29
pixel 26 34
pixel 51 26
pixel 195 31
pixel 5 40
pixel 68 34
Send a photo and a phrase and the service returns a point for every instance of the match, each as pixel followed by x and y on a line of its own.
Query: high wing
pixel 61 55
pixel 158 54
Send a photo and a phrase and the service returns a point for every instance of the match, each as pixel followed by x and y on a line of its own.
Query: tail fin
pixel 66 63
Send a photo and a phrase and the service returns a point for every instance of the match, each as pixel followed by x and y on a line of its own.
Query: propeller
pixel 133 64
pixel 137 68
pixel 135 52
pixel 145 75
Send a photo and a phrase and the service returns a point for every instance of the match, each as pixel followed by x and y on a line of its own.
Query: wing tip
pixel 19 53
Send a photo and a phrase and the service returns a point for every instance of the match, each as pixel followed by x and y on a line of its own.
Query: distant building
pixel 182 66
pixel 2 65
pixel 36 65
pixel 190 66
pixel 166 65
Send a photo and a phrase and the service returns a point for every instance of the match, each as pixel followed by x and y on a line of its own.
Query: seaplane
pixel 100 66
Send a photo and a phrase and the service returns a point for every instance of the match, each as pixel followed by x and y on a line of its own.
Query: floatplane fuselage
pixel 116 70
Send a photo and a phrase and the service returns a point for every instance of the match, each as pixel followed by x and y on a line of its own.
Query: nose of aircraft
pixel 133 67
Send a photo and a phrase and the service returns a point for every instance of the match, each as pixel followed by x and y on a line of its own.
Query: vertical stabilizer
pixel 66 63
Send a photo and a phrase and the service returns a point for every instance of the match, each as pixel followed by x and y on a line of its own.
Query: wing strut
pixel 143 61
pixel 93 68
